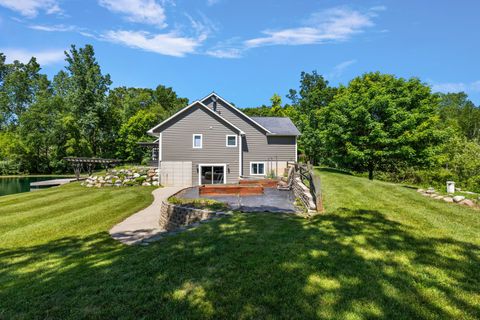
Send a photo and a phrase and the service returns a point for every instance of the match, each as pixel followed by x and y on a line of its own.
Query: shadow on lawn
pixel 249 266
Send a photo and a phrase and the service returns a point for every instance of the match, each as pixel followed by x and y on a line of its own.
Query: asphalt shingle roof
pixel 278 125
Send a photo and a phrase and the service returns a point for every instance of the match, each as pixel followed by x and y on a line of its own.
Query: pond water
pixel 20 184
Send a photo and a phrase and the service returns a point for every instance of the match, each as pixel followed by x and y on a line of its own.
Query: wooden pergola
pixel 79 163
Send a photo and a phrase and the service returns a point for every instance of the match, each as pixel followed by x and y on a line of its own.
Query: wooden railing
pixel 312 181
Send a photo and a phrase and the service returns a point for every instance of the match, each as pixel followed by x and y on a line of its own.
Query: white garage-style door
pixel 176 173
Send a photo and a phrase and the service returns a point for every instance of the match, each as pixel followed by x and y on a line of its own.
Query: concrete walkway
pixel 143 225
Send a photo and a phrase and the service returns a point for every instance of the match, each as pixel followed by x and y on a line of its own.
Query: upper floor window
pixel 231 141
pixel 197 141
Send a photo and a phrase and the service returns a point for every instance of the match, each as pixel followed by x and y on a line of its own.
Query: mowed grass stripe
pixel 78 211
pixel 405 205
pixel 50 208
pixel 11 202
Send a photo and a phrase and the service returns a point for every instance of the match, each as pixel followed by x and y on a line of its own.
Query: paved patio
pixel 272 200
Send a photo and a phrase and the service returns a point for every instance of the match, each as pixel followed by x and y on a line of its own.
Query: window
pixel 257 168
pixel 197 141
pixel 231 141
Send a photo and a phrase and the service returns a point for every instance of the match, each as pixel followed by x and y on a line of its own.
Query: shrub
pixel 199 203
pixel 140 180
pixel 9 167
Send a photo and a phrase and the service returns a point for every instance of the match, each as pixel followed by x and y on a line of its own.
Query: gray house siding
pixel 256 146
pixel 177 142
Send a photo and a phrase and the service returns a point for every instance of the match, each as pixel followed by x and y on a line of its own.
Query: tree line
pixel 379 125
pixel 74 114
pixel 386 127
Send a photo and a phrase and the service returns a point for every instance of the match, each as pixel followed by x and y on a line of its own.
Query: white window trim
pixel 201 140
pixel 200 165
pixel 236 140
pixel 264 168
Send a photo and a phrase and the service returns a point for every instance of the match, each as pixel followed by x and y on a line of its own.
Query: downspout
pixel 240 164
pixel 159 158
pixel 296 151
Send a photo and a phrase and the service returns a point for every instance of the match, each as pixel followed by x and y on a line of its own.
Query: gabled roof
pixel 213 113
pixel 236 109
pixel 281 126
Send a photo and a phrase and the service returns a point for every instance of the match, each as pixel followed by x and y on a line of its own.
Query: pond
pixel 19 184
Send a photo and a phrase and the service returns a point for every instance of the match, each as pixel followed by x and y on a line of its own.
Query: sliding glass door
pixel 212 174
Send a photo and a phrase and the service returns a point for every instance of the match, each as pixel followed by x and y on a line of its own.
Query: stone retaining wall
pixel 303 193
pixel 174 216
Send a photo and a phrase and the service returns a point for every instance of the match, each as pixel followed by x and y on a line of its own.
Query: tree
pixel 133 131
pixel 37 129
pixel 17 89
pixel 314 94
pixel 379 121
pixel 86 98
pixel 457 111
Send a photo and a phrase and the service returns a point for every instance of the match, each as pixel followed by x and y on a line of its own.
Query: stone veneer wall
pixel 303 193
pixel 174 216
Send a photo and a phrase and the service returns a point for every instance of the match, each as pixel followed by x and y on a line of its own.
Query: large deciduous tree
pixel 379 121
pixel 314 94
pixel 86 98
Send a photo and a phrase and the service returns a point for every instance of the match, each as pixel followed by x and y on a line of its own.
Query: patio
pixel 272 200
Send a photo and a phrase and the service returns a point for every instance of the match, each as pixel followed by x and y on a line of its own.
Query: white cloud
pixel 336 24
pixel 53 28
pixel 228 53
pixel 44 57
pixel 212 2
pixel 30 8
pixel 456 87
pixel 169 44
pixel 340 68
pixel 143 11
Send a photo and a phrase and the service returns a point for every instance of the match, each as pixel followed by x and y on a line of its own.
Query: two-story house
pixel 212 142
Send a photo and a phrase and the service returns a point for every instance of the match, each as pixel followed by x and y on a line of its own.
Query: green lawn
pixel 379 251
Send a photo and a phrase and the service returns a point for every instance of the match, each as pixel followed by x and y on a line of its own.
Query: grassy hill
pixel 380 251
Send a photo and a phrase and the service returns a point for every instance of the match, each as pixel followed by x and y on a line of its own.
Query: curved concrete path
pixel 143 225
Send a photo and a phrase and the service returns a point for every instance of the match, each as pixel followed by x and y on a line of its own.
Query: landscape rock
pixel 467 202
pixel 430 190
pixel 458 198
pixel 124 177
pixel 448 199
pixel 421 190
pixel 438 197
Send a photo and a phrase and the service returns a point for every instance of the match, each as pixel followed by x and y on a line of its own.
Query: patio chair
pixel 287 185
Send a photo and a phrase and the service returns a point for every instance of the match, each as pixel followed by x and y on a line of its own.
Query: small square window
pixel 257 168
pixel 231 141
pixel 197 141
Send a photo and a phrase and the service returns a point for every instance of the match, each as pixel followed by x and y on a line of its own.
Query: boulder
pixel 146 184
pixel 448 199
pixel 155 183
pixel 467 202
pixel 136 175
pixel 438 197
pixel 430 190
pixel 421 190
pixel 458 198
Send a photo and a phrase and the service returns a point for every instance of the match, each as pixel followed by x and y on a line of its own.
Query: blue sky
pixel 248 50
